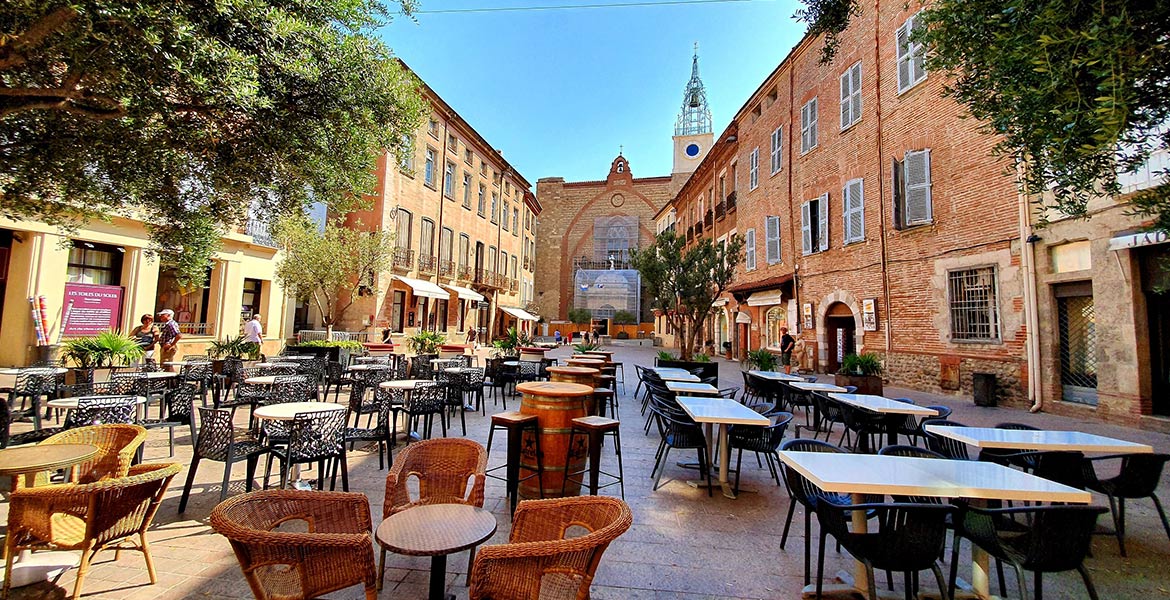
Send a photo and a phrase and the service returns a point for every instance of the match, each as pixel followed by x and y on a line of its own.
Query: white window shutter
pixel 777 139
pixel 855 101
pixel 749 243
pixel 846 105
pixel 917 182
pixel 853 207
pixel 806 244
pixel 772 239
pixel 823 222
pixel 812 129
pixel 902 43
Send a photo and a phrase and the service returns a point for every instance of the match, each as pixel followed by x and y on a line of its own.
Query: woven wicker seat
pixel 116 446
pixel 90 517
pixel 539 561
pixel 337 552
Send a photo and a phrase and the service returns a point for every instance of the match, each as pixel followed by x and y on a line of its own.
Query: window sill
pixel 776 172
pixel 912 86
pixel 431 186
pixel 851 125
pixel 852 242
pixel 986 342
pixel 804 152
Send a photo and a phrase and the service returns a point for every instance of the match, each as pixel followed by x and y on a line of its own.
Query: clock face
pixel 692 150
pixel 617 200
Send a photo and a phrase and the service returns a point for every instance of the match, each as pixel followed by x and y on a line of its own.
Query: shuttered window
pixel 823 222
pixel 814 225
pixel 853 211
pixel 851 96
pixel 754 169
pixel 912 203
pixel 777 139
pixel 808 126
pixel 911 65
pixel 772 239
pixel 749 249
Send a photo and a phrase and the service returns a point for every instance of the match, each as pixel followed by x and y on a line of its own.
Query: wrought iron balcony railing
pixel 720 210
pixel 426 264
pixel 403 259
pixel 446 268
pixel 466 273
pixel 707 219
pixel 259 232
pixel 731 203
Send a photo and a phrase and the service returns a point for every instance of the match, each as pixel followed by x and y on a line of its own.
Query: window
pixel 774 319
pixel 480 201
pixel 974 311
pixel 777 139
pixel 912 205
pixel 754 169
pixel 513 268
pixel 449 180
pixel 772 239
pixel 469 156
pixel 483 169
pixel 504 213
pixel 98 264
pixel 452 144
pixel 851 96
pixel 445 239
pixel 814 225
pixel 402 229
pixel 433 128
pixel 515 221
pixel 853 211
pixel 491 262
pixel 464 250
pixel 749 250
pixel 467 190
pixel 495 179
pixel 911 67
pixel 808 126
pixel 503 263
pixel 495 206
pixel 429 171
pixel 734 177
pixel 426 245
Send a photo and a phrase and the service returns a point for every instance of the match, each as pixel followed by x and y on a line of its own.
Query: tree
pixel 683 283
pixel 190 115
pixel 580 316
pixel 1077 91
pixel 331 266
pixel 624 317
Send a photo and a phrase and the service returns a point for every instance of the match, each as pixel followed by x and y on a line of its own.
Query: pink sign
pixel 95 308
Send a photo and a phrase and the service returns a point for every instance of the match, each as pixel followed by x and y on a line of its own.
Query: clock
pixel 617 200
pixel 692 150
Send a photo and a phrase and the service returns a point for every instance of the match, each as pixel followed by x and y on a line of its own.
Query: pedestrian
pixel 146 335
pixel 557 337
pixel 254 333
pixel 471 337
pixel 168 336
pixel 787 343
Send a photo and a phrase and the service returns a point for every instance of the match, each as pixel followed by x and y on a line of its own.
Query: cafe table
pixel 684 377
pixel 805 386
pixel 863 474
pixel 434 530
pixel 269 365
pixel 1044 440
pixel 674 370
pixel 288 411
pixel 368 367
pixel 261 380
pixel 71 403
pixel 884 406
pixel 776 376
pixel 722 412
pixel 692 389
pixel 56 370
pixel 406 386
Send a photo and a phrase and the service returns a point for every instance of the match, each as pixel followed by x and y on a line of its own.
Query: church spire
pixel 695 116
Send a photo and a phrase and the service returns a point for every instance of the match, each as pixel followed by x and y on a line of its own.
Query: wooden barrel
pixel 533 354
pixel 451 351
pixel 555 405
pixel 595 363
pixel 579 375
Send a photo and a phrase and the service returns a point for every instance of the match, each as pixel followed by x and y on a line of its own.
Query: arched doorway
pixel 840 330
pixel 721 333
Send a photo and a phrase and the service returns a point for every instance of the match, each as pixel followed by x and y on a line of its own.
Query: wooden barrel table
pixel 595 363
pixel 580 375
pixel 531 353
pixel 555 405
pixel 451 351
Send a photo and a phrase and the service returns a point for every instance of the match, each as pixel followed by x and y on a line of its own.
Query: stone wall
pixel 924 372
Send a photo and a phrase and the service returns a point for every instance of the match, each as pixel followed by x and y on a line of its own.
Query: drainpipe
pixel 889 329
pixel 1031 320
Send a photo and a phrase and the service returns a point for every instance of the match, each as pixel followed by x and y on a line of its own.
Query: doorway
pixel 840 331
pixel 396 310
pixel 1155 271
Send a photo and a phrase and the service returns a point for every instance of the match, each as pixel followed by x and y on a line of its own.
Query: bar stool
pixel 603 397
pixel 515 424
pixel 595 429
pixel 617 366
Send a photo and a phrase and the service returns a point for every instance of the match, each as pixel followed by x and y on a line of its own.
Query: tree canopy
pixel 329 267
pixel 189 115
pixel 580 316
pixel 683 283
pixel 1077 91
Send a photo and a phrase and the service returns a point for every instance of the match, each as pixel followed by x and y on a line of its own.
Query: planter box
pixel 865 384
pixel 709 369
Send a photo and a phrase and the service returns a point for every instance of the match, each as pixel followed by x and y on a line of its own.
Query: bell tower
pixel 692 131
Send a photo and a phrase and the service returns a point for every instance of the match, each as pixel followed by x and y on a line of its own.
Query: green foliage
pixel 622 335
pixel 664 355
pixel 865 364
pixel 329 267
pixel 510 344
pixel 762 360
pixel 347 344
pixel 234 347
pixel 107 349
pixel 624 317
pixel 583 348
pixel 701 357
pixel 425 342
pixel 828 18
pixel 184 114
pixel 580 316
pixel 683 283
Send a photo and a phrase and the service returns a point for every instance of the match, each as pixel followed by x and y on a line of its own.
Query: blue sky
pixel 560 90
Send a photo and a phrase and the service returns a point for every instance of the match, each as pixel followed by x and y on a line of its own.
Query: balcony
pixel 259 232
pixel 698 228
pixel 720 211
pixel 690 234
pixel 513 285
pixel 466 273
pixel 486 278
pixel 427 264
pixel 403 259
pixel 731 203
pixel 447 269
pixel 707 219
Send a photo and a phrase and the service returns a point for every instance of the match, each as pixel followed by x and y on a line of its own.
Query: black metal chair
pixel 910 537
pixel 198 373
pixel 1138 477
pixel 679 432
pixel 948 447
pixel 1048 539
pixel 379 433
pixel 220 441
pixel 761 440
pixel 471 384
pixel 363 382
pixel 426 400
pixel 803 492
pixel 452 384
pixel 180 405
pixel 32 385
pixel 336 378
pixel 313 437
pixel 498 378
pixel 1007 458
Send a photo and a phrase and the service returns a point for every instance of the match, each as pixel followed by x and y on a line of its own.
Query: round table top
pixel 56 370
pixel 456 370
pixel 402 384
pixel 261 380
pixel 289 410
pixel 436 361
pixel 265 365
pixel 436 529
pixel 554 388
pixel 179 363
pixel 585 362
pixel 155 374
pixel 368 367
pixel 573 370
pixel 71 403
pixel 511 363
pixel 294 357
pixel 44 457
pixel 601 352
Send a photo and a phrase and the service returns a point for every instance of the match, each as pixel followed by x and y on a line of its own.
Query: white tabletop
pixel 71 403
pixel 56 370
pixel 881 404
pixel 289 410
pixel 402 384
pixel 671 371
pixel 155 374
pixel 368 367
pixel 721 410
pixel 1017 439
pixel 261 380
pixel 684 377
pixel 942 478
pixel 439 361
pixel 816 387
pixel 179 363
pixel 776 376
pixel 293 357
pixel 267 365
pixel 457 370
pixel 694 388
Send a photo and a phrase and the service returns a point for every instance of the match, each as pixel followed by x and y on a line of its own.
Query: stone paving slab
pixel 683 544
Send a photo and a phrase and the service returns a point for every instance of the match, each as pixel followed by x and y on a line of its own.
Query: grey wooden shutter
pixel 902 43
pixel 823 222
pixel 846 105
pixel 897 179
pixel 806 243
pixel 772 239
pixel 853 209
pixel 855 100
pixel 749 244
pixel 917 182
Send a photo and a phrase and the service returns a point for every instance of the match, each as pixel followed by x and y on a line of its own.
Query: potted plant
pixel 762 360
pixel 231 347
pixel 509 345
pixel 583 348
pixel 864 371
pixel 107 350
pixel 425 342
pixel 337 351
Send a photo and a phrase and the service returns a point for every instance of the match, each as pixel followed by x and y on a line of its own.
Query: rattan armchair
pixel 91 517
pixel 538 561
pixel 116 443
pixel 336 553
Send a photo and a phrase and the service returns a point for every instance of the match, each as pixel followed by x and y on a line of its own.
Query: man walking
pixel 787 343
pixel 254 331
pixel 168 336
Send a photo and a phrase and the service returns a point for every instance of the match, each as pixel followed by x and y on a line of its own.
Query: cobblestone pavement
pixel 683 544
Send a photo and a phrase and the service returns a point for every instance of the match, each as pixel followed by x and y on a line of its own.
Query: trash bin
pixel 984 388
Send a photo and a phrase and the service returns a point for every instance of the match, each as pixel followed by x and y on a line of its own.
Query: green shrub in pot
pixel 762 360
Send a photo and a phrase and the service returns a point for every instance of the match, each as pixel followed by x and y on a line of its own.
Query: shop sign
pixel 91 309
pixel 1137 240
pixel 869 314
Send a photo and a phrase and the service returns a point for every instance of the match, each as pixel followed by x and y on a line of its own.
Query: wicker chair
pixel 336 553
pixel 90 517
pixel 538 561
pixel 116 443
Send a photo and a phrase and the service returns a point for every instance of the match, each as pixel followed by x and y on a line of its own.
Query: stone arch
pixel 848 299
